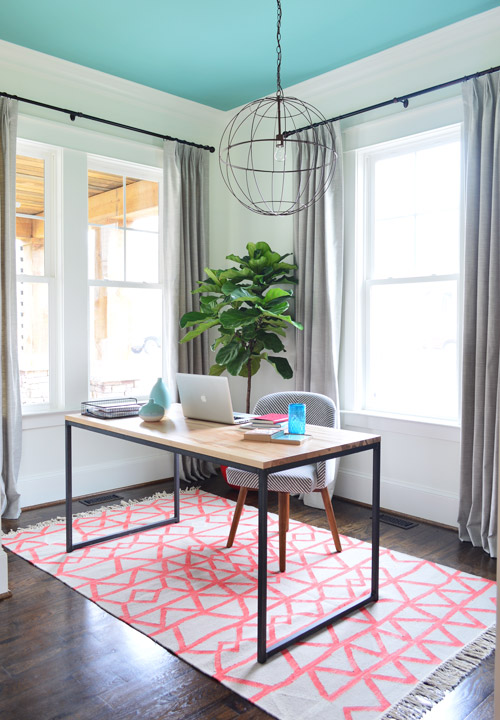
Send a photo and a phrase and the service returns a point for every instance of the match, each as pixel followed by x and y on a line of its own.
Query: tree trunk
pixel 249 384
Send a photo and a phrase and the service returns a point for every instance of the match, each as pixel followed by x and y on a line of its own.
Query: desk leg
pixel 177 512
pixel 69 489
pixel 262 571
pixel 375 521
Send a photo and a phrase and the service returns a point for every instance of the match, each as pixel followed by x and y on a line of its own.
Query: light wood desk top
pixel 226 441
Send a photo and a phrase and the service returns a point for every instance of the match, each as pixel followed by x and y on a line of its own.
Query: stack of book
pixel 271 420
pixel 274 434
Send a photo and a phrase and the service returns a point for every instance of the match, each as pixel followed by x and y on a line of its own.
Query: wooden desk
pixel 223 444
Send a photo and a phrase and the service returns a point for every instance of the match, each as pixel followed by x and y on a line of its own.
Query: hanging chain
pixel 279 89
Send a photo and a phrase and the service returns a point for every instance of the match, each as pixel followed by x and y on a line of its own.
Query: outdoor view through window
pixel 33 279
pixel 412 270
pixel 124 285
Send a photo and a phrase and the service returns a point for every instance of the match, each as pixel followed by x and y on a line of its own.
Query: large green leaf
pixel 227 353
pixel 243 294
pixel 205 287
pixel 285 318
pixel 216 369
pixel 190 318
pixel 275 292
pixel 234 258
pixel 235 365
pixel 285 266
pixel 248 332
pixel 212 274
pixel 208 302
pixel 228 287
pixel 282 366
pixel 254 367
pixel 271 341
pixel 197 331
pixel 277 306
pixel 296 324
pixel 261 246
pixel 238 318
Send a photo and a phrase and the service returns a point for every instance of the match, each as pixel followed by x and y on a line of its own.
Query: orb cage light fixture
pixel 277 155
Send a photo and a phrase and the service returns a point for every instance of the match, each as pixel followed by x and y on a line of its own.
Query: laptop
pixel 207 397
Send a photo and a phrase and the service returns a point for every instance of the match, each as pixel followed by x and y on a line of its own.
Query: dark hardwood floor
pixel 62 657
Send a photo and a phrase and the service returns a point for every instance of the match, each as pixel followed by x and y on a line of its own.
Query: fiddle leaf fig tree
pixel 249 310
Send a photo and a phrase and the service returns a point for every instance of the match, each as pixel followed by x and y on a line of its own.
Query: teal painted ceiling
pixel 221 53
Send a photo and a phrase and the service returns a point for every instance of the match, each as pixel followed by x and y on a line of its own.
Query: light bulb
pixel 280 153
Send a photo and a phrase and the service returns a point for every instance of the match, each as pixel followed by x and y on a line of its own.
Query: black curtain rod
pixel 73 114
pixel 404 99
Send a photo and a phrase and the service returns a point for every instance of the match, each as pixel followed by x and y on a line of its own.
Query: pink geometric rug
pixel 180 586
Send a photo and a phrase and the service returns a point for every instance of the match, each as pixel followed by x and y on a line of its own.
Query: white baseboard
pixel 87 479
pixel 400 497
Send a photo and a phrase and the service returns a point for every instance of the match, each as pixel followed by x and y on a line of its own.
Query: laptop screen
pixel 207 397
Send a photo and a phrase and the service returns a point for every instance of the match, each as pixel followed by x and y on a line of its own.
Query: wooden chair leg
pixel 242 495
pixel 331 518
pixel 284 515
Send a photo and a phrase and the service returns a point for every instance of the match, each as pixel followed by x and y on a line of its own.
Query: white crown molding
pixel 468 42
pixel 31 65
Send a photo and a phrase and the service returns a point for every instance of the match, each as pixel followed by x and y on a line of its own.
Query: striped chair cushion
pixel 294 481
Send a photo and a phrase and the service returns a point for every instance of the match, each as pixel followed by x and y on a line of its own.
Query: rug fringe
pixel 444 679
pixel 97 511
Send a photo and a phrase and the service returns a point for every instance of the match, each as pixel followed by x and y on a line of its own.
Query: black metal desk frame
pixel 263 651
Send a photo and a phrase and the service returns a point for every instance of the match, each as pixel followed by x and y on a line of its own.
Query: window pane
pixel 142 256
pixel 30 182
pixel 30 200
pixel 105 198
pixel 412 356
pixel 142 204
pixel 33 341
pixel 394 186
pixel 106 253
pixel 416 213
pixel 394 242
pixel 30 246
pixel 125 341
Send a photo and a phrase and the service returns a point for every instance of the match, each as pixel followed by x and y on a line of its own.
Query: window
pixel 409 198
pixel 35 269
pixel 125 289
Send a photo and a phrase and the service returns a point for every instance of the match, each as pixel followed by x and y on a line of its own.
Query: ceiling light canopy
pixel 268 163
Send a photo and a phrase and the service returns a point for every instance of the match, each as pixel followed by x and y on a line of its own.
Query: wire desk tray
pixel 111 407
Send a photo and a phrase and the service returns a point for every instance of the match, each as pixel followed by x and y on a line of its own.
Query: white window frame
pixel 142 172
pixel 366 158
pixel 52 276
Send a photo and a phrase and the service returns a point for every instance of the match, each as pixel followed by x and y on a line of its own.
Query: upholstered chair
pixel 320 410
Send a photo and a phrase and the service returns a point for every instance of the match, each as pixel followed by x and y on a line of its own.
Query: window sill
pixel 379 422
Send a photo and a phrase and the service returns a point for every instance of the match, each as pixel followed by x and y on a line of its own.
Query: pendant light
pixel 267 162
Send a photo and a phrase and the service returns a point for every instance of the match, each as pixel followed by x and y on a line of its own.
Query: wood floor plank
pixel 62 657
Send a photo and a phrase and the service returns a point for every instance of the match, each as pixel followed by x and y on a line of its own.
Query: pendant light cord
pixel 279 89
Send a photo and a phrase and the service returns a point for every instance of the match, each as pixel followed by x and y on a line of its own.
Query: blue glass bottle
pixel 160 394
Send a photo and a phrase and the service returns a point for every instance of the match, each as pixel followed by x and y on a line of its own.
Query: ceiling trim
pixel 34 64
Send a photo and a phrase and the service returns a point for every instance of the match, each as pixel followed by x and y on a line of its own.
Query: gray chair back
pixel 320 410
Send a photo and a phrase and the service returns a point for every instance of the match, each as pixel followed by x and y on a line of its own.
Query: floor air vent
pixel 397 521
pixel 99 499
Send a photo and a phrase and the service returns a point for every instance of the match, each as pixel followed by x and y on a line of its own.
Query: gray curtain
pixel 11 435
pixel 481 333
pixel 185 172
pixel 318 244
